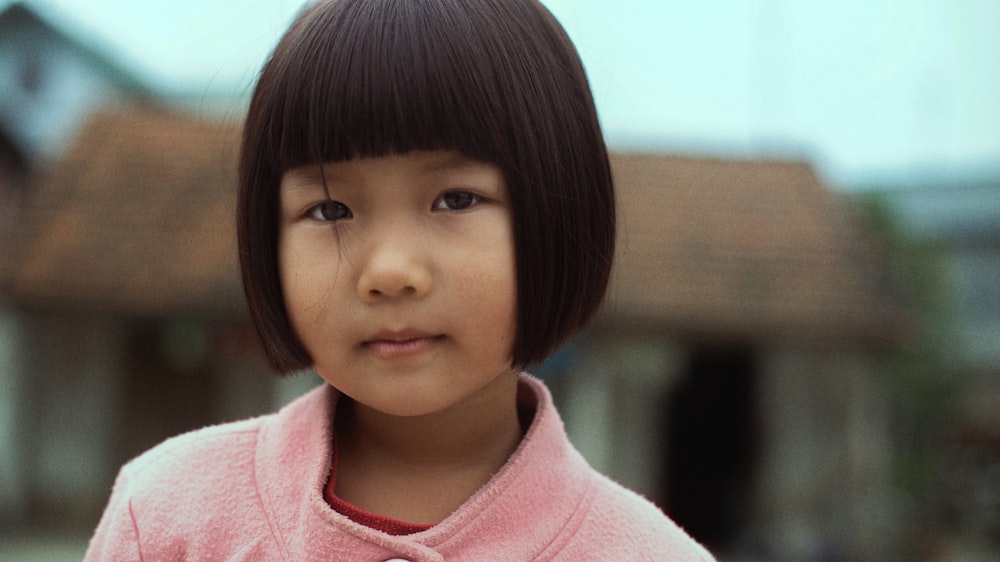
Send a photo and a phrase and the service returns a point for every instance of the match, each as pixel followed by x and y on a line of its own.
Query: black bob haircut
pixel 497 80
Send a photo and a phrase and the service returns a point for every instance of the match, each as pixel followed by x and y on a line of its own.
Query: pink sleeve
pixel 116 537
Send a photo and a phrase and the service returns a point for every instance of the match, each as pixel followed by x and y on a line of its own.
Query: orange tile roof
pixel 137 217
pixel 744 248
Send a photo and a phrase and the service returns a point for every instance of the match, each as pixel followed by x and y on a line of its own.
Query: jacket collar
pixel 520 510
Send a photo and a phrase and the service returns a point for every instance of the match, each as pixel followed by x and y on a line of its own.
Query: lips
pixel 394 344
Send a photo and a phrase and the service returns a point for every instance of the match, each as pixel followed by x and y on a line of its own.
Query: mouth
pixel 402 343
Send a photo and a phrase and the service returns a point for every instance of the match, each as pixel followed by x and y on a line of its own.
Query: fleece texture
pixel 253 490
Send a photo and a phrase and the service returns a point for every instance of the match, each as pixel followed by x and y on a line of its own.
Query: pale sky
pixel 861 88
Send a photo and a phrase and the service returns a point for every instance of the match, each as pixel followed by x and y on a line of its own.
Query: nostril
pixel 406 290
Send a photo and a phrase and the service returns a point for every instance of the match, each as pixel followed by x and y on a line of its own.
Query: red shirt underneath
pixel 358 515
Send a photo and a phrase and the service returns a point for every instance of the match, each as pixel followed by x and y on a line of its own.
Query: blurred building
pixel 733 374
pixel 961 220
pixel 124 291
pixel 58 410
pixel 956 222
pixel 51 84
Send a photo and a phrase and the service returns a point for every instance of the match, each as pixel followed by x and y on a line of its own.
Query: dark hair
pixel 497 80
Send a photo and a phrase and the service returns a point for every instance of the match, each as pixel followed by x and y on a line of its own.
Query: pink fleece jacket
pixel 253 490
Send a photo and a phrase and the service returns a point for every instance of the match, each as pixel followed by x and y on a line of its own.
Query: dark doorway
pixel 710 428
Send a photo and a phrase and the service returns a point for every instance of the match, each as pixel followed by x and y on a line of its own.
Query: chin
pixel 412 409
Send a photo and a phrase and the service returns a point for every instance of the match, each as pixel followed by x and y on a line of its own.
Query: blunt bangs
pixel 371 78
pixel 497 80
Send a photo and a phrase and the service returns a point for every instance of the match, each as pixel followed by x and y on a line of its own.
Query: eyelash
pixel 320 212
pixel 470 200
pixel 333 211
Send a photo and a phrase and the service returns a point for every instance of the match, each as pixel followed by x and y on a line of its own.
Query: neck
pixel 420 468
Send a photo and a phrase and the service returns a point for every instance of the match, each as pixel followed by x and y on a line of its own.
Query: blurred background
pixel 800 356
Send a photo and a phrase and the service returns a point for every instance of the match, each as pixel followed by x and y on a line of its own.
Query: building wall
pixel 80 394
pixel 13 475
pixel 68 401
pixel 815 481
pixel 975 274
pixel 611 402
pixel 823 485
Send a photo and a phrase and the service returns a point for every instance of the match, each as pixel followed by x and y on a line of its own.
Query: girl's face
pixel 399 278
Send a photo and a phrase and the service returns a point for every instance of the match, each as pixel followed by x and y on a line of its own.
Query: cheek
pixel 305 282
pixel 506 287
pixel 290 277
pixel 292 293
pixel 491 296
pixel 286 260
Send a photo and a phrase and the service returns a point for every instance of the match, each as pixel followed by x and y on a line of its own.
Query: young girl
pixel 425 208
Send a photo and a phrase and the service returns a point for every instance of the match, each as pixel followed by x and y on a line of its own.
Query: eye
pixel 329 211
pixel 456 201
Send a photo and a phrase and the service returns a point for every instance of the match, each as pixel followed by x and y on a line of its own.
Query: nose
pixel 394 267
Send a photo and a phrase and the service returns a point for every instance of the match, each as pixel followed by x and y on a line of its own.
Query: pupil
pixel 331 211
pixel 459 200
